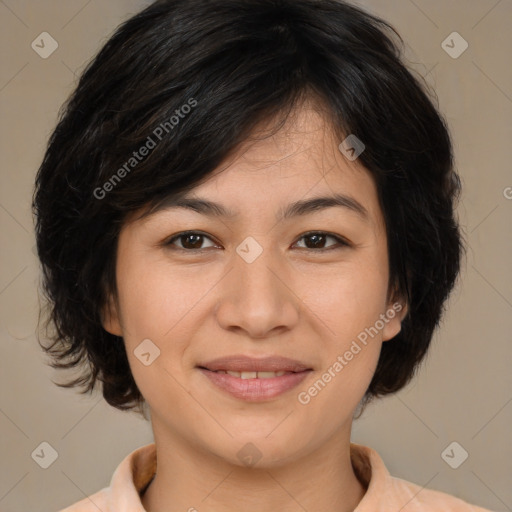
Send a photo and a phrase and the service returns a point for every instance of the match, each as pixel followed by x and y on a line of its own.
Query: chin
pixel 260 451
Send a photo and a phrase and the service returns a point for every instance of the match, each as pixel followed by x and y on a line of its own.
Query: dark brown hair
pixel 234 64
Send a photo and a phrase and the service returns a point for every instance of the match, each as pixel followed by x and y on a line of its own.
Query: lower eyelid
pixel 175 238
pixel 340 242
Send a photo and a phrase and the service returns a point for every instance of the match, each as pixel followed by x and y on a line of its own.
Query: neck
pixel 188 479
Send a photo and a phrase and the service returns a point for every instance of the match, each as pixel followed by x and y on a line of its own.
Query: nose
pixel 258 298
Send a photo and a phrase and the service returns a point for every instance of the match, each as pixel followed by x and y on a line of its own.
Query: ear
pixel 394 314
pixel 110 317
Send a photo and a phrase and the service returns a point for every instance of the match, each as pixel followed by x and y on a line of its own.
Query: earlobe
pixel 395 313
pixel 110 318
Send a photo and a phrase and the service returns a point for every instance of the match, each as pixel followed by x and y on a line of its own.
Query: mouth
pixel 244 364
pixel 254 379
pixel 253 375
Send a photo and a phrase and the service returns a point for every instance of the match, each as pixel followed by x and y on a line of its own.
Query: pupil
pixel 195 245
pixel 319 239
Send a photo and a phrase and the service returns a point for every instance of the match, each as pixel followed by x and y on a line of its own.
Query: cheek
pixel 347 305
pixel 351 350
pixel 162 305
pixel 157 299
pixel 347 300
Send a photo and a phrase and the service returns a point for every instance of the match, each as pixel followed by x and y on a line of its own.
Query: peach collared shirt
pixel 384 493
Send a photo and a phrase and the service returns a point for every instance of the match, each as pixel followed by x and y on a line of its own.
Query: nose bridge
pixel 255 297
pixel 259 276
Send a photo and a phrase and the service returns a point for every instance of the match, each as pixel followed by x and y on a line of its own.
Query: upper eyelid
pixel 184 233
pixel 341 240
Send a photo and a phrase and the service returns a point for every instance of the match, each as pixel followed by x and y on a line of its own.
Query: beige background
pixel 463 392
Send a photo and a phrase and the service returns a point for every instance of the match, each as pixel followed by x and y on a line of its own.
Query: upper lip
pixel 242 363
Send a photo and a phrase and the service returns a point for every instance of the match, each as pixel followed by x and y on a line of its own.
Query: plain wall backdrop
pixel 463 391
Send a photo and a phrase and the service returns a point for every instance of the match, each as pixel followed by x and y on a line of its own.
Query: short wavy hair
pixel 236 63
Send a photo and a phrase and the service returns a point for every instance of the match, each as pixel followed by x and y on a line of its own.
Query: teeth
pixel 266 375
pixel 253 375
pixel 269 375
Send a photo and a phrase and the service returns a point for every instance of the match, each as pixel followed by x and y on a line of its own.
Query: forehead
pixel 273 169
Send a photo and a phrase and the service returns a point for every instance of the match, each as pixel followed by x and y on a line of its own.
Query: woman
pixel 245 219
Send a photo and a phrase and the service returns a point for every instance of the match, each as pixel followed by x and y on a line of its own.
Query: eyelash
pixel 342 243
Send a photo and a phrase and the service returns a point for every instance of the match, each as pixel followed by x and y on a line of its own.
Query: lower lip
pixel 255 390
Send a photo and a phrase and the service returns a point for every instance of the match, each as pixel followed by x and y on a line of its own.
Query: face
pixel 295 306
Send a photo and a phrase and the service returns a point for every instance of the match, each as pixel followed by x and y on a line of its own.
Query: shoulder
pixel 130 477
pixel 420 499
pixel 93 503
pixel 385 492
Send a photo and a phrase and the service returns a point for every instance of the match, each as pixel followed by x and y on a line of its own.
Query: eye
pixel 317 241
pixel 190 240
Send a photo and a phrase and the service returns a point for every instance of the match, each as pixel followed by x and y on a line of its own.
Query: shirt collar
pixel 136 471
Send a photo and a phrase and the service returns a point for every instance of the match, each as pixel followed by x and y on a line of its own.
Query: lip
pixel 242 363
pixel 254 389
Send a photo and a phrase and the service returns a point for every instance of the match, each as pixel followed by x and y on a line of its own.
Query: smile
pixel 254 386
pixel 253 375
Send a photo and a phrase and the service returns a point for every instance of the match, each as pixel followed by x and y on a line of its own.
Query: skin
pixel 304 304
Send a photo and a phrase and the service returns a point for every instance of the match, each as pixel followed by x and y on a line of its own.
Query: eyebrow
pixel 298 208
